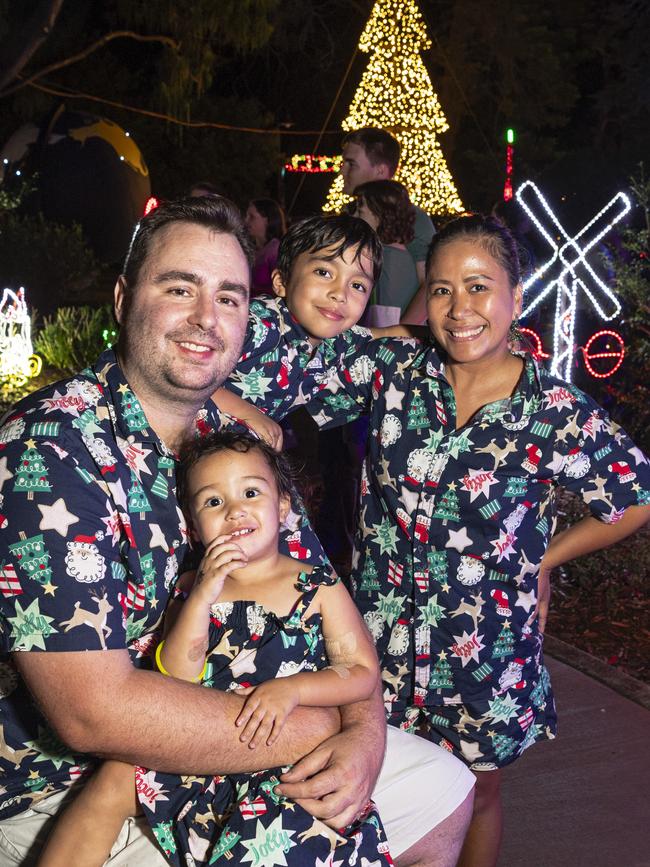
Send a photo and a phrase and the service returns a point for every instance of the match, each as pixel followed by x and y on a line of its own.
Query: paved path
pixel 582 800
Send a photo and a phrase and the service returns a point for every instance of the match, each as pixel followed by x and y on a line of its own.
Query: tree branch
pixel 36 31
pixel 75 58
pixel 170 119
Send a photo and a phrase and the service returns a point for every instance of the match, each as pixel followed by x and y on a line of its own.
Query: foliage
pixel 627 394
pixel 600 601
pixel 53 262
pixel 74 337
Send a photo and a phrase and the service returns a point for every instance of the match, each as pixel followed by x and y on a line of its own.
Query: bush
pixel 74 337
pixel 53 262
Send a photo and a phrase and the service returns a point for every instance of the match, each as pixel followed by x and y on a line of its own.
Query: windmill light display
pixel 17 360
pixel 568 270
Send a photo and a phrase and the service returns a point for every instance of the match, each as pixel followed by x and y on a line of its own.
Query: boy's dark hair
pixel 215 213
pixel 493 235
pixel 276 224
pixel 389 202
pixel 196 449
pixel 340 231
pixel 380 146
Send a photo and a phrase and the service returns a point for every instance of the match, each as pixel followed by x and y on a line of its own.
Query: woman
pixel 266 224
pixel 468 443
pixel 385 205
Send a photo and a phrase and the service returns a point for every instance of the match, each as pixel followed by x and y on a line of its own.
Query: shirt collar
pixel 111 378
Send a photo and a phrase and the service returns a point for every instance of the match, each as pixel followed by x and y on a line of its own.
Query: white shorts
pixel 420 785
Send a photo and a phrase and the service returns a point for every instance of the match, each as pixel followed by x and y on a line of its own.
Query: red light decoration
pixel 618 354
pixel 151 205
pixel 507 189
pixel 538 350
pixel 312 164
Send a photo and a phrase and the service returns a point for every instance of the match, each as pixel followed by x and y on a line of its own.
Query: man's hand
pixel 335 781
pixel 266 710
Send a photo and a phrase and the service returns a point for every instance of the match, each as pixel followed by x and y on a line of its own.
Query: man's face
pixel 357 168
pixel 184 322
pixel 327 295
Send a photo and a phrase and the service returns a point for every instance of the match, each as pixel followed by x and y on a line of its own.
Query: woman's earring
pixel 514 333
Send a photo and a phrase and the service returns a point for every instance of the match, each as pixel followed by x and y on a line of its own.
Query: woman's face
pixel 364 212
pixel 256 225
pixel 470 302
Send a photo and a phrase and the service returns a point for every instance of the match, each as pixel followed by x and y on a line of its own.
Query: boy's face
pixel 327 296
pixel 235 494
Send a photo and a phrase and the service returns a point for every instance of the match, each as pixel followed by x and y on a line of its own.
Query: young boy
pixel 327 267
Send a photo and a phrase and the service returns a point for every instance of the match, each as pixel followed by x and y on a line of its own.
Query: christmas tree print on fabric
pixel 31 473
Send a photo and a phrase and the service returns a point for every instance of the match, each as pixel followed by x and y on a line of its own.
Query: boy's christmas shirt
pixel 240 814
pixel 454 523
pixel 279 369
pixel 91 542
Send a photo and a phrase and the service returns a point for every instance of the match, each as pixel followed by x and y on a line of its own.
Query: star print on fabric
pixel 253 385
pixel 63 403
pixel 467 646
pixel 270 845
pixel 393 397
pixel 556 463
pixel 410 499
pixel 503 546
pixel 526 600
pixel 386 536
pixel 50 589
pixel 459 443
pixel 158 539
pixel 49 748
pixel 459 539
pixel 390 606
pixel 30 628
pixel 471 751
pixel 503 708
pixel 432 612
pixel 56 517
pixel 639 457
pixel 558 398
pixel 478 482
pixel 5 474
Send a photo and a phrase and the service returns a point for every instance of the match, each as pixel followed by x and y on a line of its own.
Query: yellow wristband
pixel 163 670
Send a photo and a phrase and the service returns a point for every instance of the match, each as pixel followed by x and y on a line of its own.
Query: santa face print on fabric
pixel 187 315
pixel 471 304
pixel 233 493
pixel 327 295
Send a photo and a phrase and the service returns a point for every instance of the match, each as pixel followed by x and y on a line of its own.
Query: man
pixel 372 154
pixel 91 548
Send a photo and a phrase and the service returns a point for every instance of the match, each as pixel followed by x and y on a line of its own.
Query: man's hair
pixel 389 202
pixel 380 146
pixel 276 224
pixel 217 214
pixel 342 232
pixel 196 449
pixel 208 188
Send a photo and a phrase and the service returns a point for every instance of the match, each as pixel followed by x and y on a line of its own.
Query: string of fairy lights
pixel 396 93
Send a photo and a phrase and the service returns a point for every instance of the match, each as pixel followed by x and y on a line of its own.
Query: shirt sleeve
pixel 602 465
pixel 347 391
pixel 60 565
pixel 424 232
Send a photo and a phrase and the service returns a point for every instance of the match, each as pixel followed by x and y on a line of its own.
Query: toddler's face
pixel 235 493
pixel 327 296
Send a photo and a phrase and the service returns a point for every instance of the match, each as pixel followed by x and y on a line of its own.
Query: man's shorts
pixel 420 785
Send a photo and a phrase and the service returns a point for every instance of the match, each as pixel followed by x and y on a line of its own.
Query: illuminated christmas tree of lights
pixel 396 94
